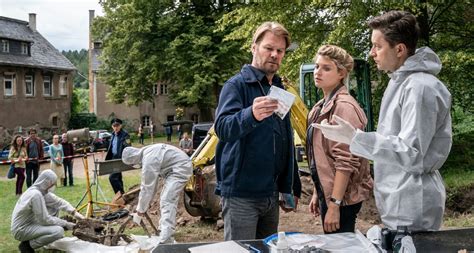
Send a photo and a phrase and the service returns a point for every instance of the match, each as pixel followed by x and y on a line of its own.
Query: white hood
pixel 424 60
pixel 132 156
pixel 45 180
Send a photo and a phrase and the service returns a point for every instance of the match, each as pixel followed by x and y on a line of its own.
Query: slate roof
pixel 43 53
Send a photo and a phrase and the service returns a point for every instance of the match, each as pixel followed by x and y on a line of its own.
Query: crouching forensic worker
pixel 175 167
pixel 32 222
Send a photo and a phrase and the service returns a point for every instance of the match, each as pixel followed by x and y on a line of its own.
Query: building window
pixel 146 121
pixel 97 45
pixel 9 84
pixel 24 48
pixel 47 88
pixel 155 89
pixel 29 86
pixel 5 46
pixel 54 121
pixel 63 85
pixel 163 89
pixel 170 118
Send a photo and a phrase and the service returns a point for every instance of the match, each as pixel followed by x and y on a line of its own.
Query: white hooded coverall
pixel 412 142
pixel 31 220
pixel 174 166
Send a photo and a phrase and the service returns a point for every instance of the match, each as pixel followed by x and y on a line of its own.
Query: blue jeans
pixel 250 218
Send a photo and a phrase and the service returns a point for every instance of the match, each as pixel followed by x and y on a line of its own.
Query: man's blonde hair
pixel 276 28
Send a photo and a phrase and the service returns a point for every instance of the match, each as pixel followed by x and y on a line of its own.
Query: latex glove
pixel 78 215
pixel 343 132
pixel 407 245
pixel 374 234
pixel 136 218
pixel 69 225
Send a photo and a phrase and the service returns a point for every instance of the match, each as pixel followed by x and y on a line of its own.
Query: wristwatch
pixel 335 201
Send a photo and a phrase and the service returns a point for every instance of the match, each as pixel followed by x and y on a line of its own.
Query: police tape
pixel 47 159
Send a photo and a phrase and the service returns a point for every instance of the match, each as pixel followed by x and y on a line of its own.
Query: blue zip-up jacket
pixel 245 154
pixel 122 137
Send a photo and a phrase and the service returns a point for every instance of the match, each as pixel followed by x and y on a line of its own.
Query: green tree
pixel 80 59
pixel 446 26
pixel 80 101
pixel 146 42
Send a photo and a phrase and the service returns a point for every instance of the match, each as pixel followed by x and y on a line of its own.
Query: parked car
pixel 45 149
pixel 6 151
pixel 101 141
pixel 199 132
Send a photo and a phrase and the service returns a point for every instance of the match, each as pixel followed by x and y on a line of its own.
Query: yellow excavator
pixel 199 197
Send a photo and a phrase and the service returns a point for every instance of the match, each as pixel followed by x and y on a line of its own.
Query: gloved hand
pixel 69 225
pixel 407 245
pixel 374 234
pixel 78 215
pixel 136 218
pixel 343 132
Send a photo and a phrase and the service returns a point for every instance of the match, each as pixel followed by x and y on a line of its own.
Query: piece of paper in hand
pixel 285 100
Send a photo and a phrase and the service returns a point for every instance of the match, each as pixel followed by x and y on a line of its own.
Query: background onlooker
pixel 34 150
pixel 141 136
pixel 56 154
pixel 186 144
pixel 169 132
pixel 68 161
pixel 18 154
pixel 179 129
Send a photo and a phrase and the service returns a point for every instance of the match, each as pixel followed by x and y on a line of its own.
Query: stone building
pixel 160 111
pixel 36 79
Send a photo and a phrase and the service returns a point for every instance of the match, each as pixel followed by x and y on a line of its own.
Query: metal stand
pixel 90 202
pixel 98 189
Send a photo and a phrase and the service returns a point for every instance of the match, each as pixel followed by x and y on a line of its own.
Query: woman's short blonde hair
pixel 276 28
pixel 339 56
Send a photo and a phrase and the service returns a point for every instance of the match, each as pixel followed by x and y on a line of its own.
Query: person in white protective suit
pixel 34 220
pixel 175 167
pixel 414 135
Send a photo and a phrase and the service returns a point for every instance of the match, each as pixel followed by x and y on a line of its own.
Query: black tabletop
pixel 439 241
pixel 445 240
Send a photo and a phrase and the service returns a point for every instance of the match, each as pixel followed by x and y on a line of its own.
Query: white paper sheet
pixel 227 246
pixel 285 100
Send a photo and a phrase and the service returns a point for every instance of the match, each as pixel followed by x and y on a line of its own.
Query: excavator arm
pixel 299 112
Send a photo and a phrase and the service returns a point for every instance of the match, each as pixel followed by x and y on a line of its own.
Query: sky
pixel 64 23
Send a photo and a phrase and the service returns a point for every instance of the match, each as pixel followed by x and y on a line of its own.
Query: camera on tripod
pixel 80 138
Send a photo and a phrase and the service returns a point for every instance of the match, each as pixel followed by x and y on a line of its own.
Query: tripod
pixel 90 202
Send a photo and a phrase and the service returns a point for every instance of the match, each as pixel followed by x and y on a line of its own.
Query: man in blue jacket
pixel 255 154
pixel 120 139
